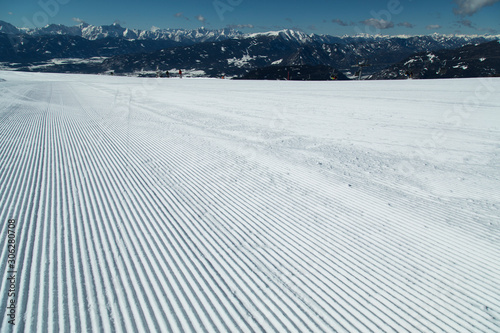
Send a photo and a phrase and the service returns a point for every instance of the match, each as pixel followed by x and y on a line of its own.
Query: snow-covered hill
pixel 203 205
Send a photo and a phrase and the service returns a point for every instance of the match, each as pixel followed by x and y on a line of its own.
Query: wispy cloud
pixel 471 25
pixel 181 15
pixel 467 23
pixel 379 24
pixel 201 18
pixel 340 22
pixel 241 26
pixel 470 7
pixel 78 20
pixel 433 27
pixel 406 25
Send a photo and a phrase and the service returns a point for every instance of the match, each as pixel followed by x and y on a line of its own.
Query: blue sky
pixel 391 17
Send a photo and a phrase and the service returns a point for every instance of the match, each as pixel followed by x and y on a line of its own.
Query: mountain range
pixel 479 60
pixel 114 30
pixel 96 49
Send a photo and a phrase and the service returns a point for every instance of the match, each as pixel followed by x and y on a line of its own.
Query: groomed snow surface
pixel 204 205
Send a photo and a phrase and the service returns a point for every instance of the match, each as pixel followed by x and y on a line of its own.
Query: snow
pixel 409 62
pixel 169 205
pixel 241 62
pixel 285 33
pixel 195 73
pixel 269 34
pixel 62 61
pixel 462 66
pixel 431 57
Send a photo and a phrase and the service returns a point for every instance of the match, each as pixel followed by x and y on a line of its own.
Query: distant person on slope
pixel 180 73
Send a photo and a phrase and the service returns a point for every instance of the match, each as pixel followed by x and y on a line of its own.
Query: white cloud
pixel 470 7
pixel 78 20
pixel 433 27
pixel 379 24
pixel 201 18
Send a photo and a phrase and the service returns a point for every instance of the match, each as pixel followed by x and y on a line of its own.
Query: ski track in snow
pixel 197 205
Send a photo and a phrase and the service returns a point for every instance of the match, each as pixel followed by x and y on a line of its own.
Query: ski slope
pixel 203 205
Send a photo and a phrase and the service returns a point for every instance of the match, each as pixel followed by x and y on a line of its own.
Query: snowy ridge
pixel 92 32
pixel 436 35
pixel 164 211
pixel 287 34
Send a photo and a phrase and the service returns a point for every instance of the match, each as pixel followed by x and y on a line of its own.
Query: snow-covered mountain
pixel 179 35
pixel 27 49
pixel 211 51
pixel 288 35
pixel 8 28
pixel 115 30
pixel 469 61
pixel 237 57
